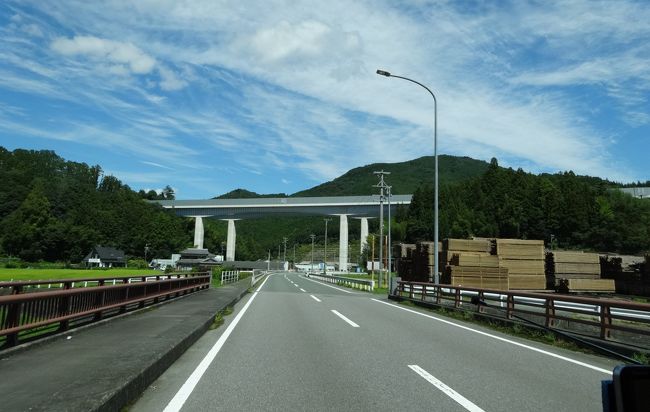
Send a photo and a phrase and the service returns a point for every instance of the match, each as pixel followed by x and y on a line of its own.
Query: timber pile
pixel 578 272
pixel 477 270
pixel 403 250
pixel 576 265
pixel 587 285
pixel 524 260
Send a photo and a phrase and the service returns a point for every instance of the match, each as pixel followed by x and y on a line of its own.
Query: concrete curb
pixel 136 385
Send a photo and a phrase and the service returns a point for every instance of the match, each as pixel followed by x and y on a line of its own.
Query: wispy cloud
pixel 265 88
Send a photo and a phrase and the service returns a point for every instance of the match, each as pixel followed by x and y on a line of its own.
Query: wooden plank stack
pixel 579 272
pixel 478 270
pixel 524 260
pixel 590 285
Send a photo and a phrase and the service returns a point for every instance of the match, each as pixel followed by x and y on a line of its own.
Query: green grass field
pixel 46 274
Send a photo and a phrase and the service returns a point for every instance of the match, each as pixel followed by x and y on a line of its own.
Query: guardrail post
pixel 457 298
pixel 410 290
pixel 13 320
pixel 17 290
pixel 605 321
pixel 64 309
pixel 99 302
pixel 510 306
pixel 438 294
pixel 481 297
pixel 550 313
pixel 424 292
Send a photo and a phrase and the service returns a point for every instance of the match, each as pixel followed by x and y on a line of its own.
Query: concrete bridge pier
pixel 343 243
pixel 199 232
pixel 364 232
pixel 231 240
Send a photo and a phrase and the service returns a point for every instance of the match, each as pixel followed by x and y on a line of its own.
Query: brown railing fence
pixel 25 316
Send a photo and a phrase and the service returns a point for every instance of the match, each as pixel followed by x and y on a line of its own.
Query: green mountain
pixel 405 177
pixel 247 194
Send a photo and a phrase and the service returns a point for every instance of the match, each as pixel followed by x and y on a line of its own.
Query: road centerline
pixel 302 290
pixel 315 298
pixel 460 399
pixel 354 325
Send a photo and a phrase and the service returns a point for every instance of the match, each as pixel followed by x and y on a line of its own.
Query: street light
pixel 435 155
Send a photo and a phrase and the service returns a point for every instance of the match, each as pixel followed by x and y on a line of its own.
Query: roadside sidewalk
pixel 103 368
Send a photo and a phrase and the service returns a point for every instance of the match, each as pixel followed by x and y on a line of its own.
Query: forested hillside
pixel 55 210
pixel 405 177
pixel 578 211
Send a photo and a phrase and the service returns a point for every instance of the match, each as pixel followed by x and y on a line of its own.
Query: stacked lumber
pixel 576 265
pixel 524 260
pixel 477 277
pixel 403 250
pixel 590 285
pixel 468 245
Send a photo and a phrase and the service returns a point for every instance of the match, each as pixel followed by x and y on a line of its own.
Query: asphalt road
pixel 298 344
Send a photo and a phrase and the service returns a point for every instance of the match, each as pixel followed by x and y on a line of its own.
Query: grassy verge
pixel 42 274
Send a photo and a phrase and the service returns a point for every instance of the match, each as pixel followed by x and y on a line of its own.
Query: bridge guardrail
pixel 28 315
pixel 363 284
pixel 229 276
pixel 608 319
pixel 28 286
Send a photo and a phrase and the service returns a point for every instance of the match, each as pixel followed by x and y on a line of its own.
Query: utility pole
pixel 146 249
pixel 268 262
pixel 327 219
pixel 382 187
pixel 284 259
pixel 311 266
pixel 372 266
pixel 389 245
pixel 294 255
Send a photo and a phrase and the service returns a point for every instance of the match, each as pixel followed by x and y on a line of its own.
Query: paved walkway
pixel 105 367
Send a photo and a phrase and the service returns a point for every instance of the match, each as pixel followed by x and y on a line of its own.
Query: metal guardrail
pixel 608 319
pixel 28 315
pixel 363 284
pixel 18 287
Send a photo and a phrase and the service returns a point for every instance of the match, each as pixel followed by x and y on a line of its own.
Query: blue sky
pixel 278 96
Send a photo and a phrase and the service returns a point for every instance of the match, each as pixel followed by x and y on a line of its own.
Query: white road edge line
pixel 354 325
pixel 185 391
pixel 564 358
pixel 315 298
pixel 463 401
pixel 330 286
pixel 303 290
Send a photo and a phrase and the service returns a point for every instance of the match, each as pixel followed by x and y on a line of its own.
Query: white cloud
pixel 170 80
pixel 111 51
pixel 310 98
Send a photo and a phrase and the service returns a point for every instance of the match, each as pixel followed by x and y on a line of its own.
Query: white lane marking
pixel 303 290
pixel 296 285
pixel 463 401
pixel 330 286
pixel 354 325
pixel 315 298
pixel 564 358
pixel 184 392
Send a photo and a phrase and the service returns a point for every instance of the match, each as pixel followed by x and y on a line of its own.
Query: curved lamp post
pixel 435 155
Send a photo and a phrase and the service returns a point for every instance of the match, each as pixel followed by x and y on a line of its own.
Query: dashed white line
pixel 463 401
pixel 185 391
pixel 564 358
pixel 315 298
pixel 303 290
pixel 330 286
pixel 354 325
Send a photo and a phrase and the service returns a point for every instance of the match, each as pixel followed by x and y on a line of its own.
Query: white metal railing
pixel 363 284
pixel 229 276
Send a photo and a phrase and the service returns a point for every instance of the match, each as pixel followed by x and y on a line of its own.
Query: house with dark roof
pixel 105 257
pixel 194 257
